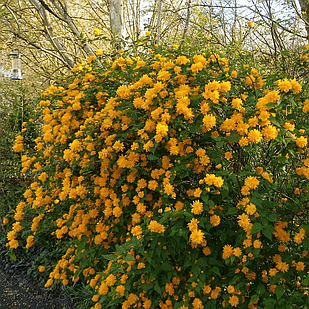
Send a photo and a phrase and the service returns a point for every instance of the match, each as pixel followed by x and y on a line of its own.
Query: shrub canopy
pixel 172 181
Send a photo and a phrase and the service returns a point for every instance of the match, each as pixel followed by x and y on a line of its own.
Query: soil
pixel 21 290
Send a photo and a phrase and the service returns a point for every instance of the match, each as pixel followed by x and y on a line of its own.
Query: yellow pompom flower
pixel 197 207
pixel 252 182
pixel 269 132
pixel 284 85
pixel 156 227
pixel 215 220
pixel 197 236
pixel 234 301
pixel 227 252
pixel 236 103
pixel 301 141
pixel 254 136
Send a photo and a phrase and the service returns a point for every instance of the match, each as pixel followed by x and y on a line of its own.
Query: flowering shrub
pixel 172 182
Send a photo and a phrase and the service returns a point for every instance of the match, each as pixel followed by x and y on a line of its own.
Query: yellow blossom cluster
pixel 167 182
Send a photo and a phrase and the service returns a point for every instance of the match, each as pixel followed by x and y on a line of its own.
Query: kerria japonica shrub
pixel 172 181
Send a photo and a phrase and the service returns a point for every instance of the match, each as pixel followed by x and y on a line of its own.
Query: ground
pixel 20 290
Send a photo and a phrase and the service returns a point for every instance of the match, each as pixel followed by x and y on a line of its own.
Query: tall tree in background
pixel 54 35
pixel 116 20
pixel 304 5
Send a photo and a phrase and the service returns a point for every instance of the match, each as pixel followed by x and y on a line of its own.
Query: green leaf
pixel 253 298
pixel 205 196
pixel 234 137
pixel 220 144
pixel 232 211
pixel 84 238
pixel 129 258
pixel 152 157
pixel 268 232
pixel 279 291
pixel 261 289
pixel 157 288
pixel 305 281
pixel 13 256
pixel 216 271
pixel 195 99
pixel 166 266
pixel 109 257
pixel 273 217
pixel 269 303
pixel 257 227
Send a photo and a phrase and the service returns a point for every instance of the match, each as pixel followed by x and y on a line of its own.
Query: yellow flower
pixel 49 283
pixel 296 87
pixel 234 74
pixel 300 266
pixel 136 230
pixel 227 251
pixel 123 92
pixel 228 155
pixel 99 52
pixel 243 221
pixel 147 33
pixel 236 103
pixel 140 265
pixel 164 75
pixel 250 209
pixel 298 238
pixel 197 236
pixel 156 227
pixel 197 207
pixel 214 220
pixel 209 121
pixel 110 280
pixel 237 252
pixel 243 141
pixel 162 129
pixel 259 170
pixel 254 136
pixel 284 85
pixel 181 60
pixel 41 269
pixel 225 86
pixel 289 126
pixel 30 242
pixel 152 185
pixel 250 24
pixel 196 67
pixel 301 141
pixel 103 289
pixel 283 266
pixel 269 132
pixel 252 182
pixel 234 301
pixel 96 31
pixel 273 272
pixel 257 244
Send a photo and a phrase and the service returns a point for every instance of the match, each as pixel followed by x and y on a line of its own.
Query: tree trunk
pixel 304 5
pixel 116 19
pixel 159 22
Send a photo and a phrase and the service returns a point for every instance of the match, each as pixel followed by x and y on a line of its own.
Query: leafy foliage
pixel 172 181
